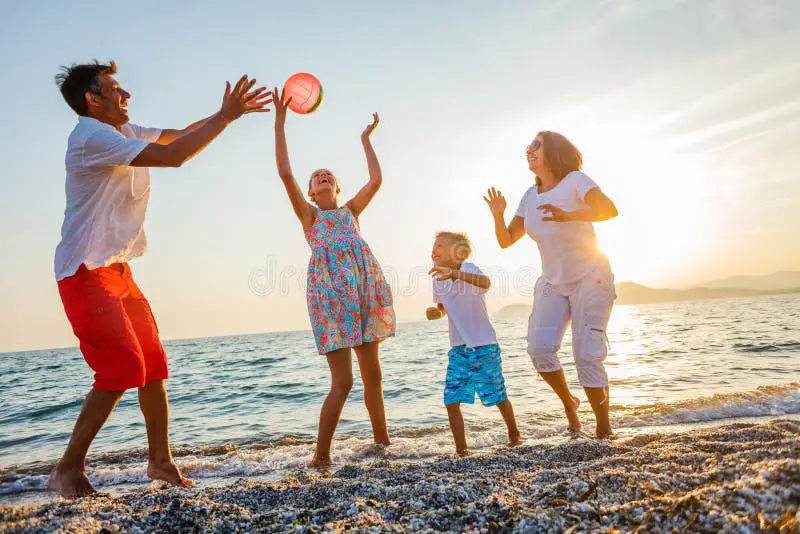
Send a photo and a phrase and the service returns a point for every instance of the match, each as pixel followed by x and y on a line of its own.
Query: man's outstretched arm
pixel 169 135
pixel 236 102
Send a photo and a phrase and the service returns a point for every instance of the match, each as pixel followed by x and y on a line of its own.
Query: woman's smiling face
pixel 535 154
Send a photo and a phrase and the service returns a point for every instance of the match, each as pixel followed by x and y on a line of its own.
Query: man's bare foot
pixel 606 435
pixel 70 484
pixel 169 473
pixel 514 440
pixel 572 415
pixel 463 452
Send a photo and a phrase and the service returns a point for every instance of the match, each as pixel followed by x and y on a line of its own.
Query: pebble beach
pixel 741 477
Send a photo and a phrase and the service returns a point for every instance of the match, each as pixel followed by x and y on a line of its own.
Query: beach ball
pixel 305 91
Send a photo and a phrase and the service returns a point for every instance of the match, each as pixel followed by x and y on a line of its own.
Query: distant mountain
pixel 763 282
pixel 631 293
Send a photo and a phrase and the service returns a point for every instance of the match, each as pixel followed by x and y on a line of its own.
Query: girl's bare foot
pixel 169 473
pixel 463 452
pixel 572 414
pixel 70 483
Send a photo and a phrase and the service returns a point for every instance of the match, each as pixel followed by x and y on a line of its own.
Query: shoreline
pixel 740 475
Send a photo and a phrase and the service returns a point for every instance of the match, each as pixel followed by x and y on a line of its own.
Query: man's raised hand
pixel 243 99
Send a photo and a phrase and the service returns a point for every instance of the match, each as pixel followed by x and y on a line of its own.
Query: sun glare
pixel 659 192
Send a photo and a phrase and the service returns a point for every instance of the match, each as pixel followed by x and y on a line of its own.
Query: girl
pixel 349 300
pixel 576 281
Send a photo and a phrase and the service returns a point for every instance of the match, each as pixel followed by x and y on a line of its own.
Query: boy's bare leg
pixel 599 399
pixel 369 364
pixel 558 383
pixel 457 428
pixel 507 411
pixel 69 475
pixel 341 368
pixel 155 408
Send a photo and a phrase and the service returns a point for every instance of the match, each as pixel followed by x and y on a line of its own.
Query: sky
pixel 687 114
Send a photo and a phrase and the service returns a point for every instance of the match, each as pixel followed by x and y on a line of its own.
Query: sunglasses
pixel 533 147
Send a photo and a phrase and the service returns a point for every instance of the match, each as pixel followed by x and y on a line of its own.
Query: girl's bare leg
pixel 369 364
pixel 341 383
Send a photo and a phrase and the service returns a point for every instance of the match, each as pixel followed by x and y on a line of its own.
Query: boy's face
pixel 444 253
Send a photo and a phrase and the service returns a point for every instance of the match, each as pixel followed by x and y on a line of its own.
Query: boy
pixel 474 359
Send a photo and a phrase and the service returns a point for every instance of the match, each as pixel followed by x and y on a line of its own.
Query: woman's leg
pixel 369 364
pixel 591 307
pixel 546 328
pixel 341 384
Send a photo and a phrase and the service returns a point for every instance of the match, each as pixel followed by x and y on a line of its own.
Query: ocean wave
pixel 764 401
pixel 767 347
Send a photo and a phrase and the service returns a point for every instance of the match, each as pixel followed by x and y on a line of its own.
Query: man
pixel 107 189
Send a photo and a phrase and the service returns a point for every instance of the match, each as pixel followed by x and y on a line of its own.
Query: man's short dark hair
pixel 78 79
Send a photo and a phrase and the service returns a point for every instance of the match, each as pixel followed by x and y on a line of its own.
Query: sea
pixel 247 406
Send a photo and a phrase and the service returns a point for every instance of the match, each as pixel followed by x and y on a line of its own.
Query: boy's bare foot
pixel 572 415
pixel 70 484
pixel 169 473
pixel 463 452
pixel 514 440
pixel 317 461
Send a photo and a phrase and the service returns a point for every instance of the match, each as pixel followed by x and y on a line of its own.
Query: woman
pixel 576 282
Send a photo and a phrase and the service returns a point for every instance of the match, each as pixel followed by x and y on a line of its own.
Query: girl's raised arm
pixel 302 208
pixel 363 197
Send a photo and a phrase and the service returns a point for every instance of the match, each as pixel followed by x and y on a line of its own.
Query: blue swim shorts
pixel 475 370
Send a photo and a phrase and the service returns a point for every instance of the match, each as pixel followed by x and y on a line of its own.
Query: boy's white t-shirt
pixel 569 250
pixel 466 310
pixel 106 197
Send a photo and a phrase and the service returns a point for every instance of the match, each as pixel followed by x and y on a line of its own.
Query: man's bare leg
pixel 69 475
pixel 155 408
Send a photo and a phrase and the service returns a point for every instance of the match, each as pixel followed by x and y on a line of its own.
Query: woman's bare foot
pixel 572 415
pixel 463 452
pixel 70 483
pixel 169 473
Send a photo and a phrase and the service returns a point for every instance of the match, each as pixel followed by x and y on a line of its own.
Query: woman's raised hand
pixel 496 201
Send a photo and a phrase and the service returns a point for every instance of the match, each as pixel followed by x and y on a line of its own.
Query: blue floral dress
pixel 349 300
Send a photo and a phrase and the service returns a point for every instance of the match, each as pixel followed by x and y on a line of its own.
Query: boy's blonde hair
pixel 460 241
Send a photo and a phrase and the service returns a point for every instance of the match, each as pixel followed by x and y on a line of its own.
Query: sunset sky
pixel 687 114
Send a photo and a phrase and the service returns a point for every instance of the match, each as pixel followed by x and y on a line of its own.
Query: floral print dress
pixel 349 300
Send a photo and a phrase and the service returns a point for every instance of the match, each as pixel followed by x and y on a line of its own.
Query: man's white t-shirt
pixel 106 198
pixel 465 305
pixel 569 250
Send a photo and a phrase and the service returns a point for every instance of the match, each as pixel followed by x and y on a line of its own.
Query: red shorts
pixel 115 326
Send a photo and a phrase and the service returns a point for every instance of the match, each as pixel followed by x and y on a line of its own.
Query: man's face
pixel 110 105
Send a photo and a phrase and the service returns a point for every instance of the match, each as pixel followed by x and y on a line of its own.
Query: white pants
pixel 587 303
